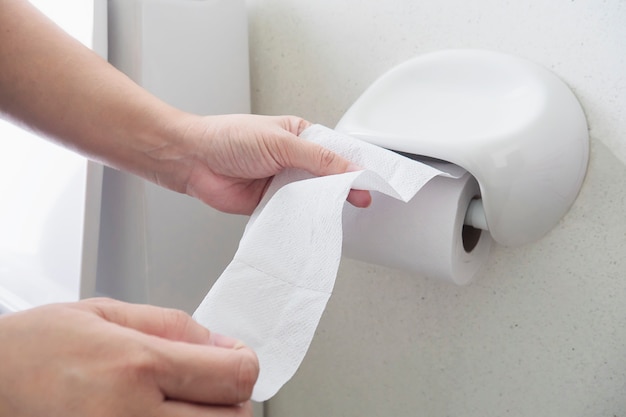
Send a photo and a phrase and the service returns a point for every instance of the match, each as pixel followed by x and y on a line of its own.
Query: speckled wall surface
pixel 542 331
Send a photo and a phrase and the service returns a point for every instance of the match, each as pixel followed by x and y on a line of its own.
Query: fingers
pixel 294 153
pixel 315 159
pixel 163 322
pixel 294 124
pixel 319 161
pixel 206 374
pixel 181 409
pixel 186 361
pixel 360 198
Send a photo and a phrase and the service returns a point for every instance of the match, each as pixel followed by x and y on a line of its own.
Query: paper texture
pixel 274 292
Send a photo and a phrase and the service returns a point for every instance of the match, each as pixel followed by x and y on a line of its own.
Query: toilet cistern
pixel 514 125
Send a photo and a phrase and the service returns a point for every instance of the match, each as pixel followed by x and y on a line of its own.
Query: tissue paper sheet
pixel 273 293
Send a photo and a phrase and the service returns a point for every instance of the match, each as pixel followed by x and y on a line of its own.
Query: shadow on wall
pixel 288 59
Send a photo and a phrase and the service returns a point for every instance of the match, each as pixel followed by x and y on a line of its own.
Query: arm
pixel 52 83
pixel 103 358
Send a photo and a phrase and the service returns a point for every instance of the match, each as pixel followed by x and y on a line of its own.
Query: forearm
pixel 54 84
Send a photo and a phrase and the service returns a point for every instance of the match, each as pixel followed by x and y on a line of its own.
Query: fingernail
pixel 221 340
pixel 354 167
pixel 360 198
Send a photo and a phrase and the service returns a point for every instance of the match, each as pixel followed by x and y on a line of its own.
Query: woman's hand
pixel 226 161
pixel 236 156
pixel 102 358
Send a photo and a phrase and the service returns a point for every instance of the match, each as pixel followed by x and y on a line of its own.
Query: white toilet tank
pixel 155 245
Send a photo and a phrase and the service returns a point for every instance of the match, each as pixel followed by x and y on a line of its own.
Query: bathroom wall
pixel 542 331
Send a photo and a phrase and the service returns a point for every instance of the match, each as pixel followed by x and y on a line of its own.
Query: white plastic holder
pixel 513 124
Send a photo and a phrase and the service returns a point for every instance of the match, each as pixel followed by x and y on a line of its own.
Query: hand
pixel 236 157
pixel 226 161
pixel 102 358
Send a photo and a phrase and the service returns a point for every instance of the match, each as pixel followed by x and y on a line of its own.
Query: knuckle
pixel 176 321
pixel 175 317
pixel 100 300
pixel 105 307
pixel 296 124
pixel 140 363
pixel 303 125
pixel 326 159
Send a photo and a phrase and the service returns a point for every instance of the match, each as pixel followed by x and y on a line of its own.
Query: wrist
pixel 167 150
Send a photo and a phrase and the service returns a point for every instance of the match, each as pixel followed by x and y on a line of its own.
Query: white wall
pixel 543 330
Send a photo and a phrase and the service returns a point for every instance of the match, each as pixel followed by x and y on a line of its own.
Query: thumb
pixel 321 161
pixel 318 160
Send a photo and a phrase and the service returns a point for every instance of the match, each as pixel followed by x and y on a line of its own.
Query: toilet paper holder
pixel 513 124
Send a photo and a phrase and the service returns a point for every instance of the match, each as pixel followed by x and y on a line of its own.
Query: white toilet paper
pixel 274 292
pixel 425 235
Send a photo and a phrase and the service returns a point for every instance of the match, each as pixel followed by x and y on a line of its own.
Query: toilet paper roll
pixel 426 235
pixel 273 293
